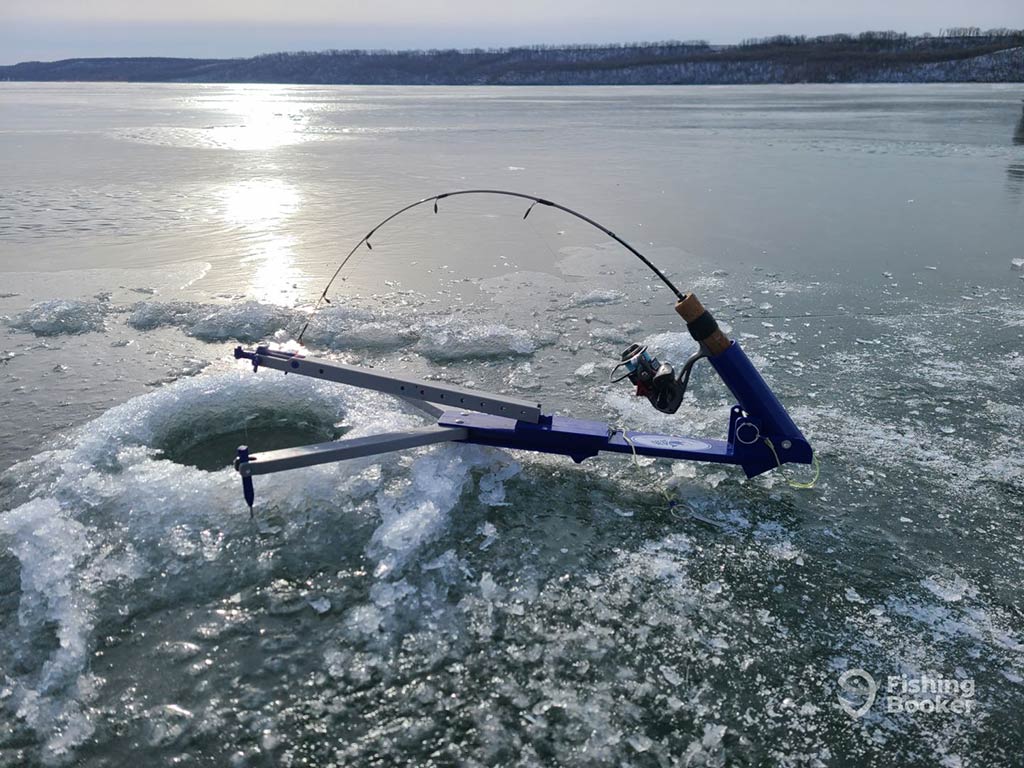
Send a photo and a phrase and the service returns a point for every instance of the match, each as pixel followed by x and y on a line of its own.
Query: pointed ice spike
pixel 248 491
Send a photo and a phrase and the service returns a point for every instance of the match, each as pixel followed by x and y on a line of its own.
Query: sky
pixel 44 30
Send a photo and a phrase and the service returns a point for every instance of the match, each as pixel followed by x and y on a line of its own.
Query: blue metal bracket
pixel 580 439
pixel 758 415
pixel 485 419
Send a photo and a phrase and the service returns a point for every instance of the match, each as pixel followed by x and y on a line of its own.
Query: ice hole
pixel 211 444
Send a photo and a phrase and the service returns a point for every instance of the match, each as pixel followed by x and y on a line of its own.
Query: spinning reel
pixel 655 380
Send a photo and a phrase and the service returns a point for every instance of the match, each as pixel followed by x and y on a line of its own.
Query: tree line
pixel 888 36
pixel 957 54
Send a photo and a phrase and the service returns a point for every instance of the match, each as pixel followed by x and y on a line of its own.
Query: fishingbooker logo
pixel 858 691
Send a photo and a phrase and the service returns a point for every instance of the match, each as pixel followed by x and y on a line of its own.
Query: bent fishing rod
pixel 534 201
pixel 664 388
pixel 761 433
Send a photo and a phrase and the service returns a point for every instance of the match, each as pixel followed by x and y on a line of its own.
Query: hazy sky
pixel 54 29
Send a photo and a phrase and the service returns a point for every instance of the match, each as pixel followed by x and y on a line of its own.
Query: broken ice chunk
pixel 640 743
pixel 320 604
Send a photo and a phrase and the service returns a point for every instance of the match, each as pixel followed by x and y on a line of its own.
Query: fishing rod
pixel 534 202
pixel 761 433
pixel 659 382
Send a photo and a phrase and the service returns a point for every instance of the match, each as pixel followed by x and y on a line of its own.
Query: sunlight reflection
pixel 259 204
pixel 262 209
pixel 267 120
pixel 273 277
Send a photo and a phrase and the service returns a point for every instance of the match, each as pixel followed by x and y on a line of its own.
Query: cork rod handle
pixel 702 325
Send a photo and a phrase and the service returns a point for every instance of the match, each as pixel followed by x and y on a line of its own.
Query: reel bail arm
pixel 656 380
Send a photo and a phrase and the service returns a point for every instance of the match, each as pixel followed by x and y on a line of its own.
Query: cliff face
pixel 836 59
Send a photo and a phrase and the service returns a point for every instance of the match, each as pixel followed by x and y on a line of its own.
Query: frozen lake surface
pixel 459 605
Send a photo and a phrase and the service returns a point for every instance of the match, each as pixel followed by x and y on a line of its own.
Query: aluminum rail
pixel 266 462
pixel 399 386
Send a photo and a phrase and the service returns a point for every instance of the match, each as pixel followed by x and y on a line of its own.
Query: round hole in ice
pixel 211 444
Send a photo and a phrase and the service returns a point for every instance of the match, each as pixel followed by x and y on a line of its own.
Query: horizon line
pixel 977 32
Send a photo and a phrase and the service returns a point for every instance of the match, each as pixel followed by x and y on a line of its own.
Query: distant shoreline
pixel 871 57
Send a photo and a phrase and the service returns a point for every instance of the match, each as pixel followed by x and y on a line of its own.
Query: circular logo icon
pixel 861 689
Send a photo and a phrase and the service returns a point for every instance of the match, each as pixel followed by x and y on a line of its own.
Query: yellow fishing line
pixel 796 483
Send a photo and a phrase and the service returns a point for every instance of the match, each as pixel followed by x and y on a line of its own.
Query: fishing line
pixel 534 201
pixel 835 315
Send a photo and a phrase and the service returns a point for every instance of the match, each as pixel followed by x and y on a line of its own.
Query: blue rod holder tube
pixel 760 404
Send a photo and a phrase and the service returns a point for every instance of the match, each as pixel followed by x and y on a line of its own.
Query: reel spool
pixel 655 380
